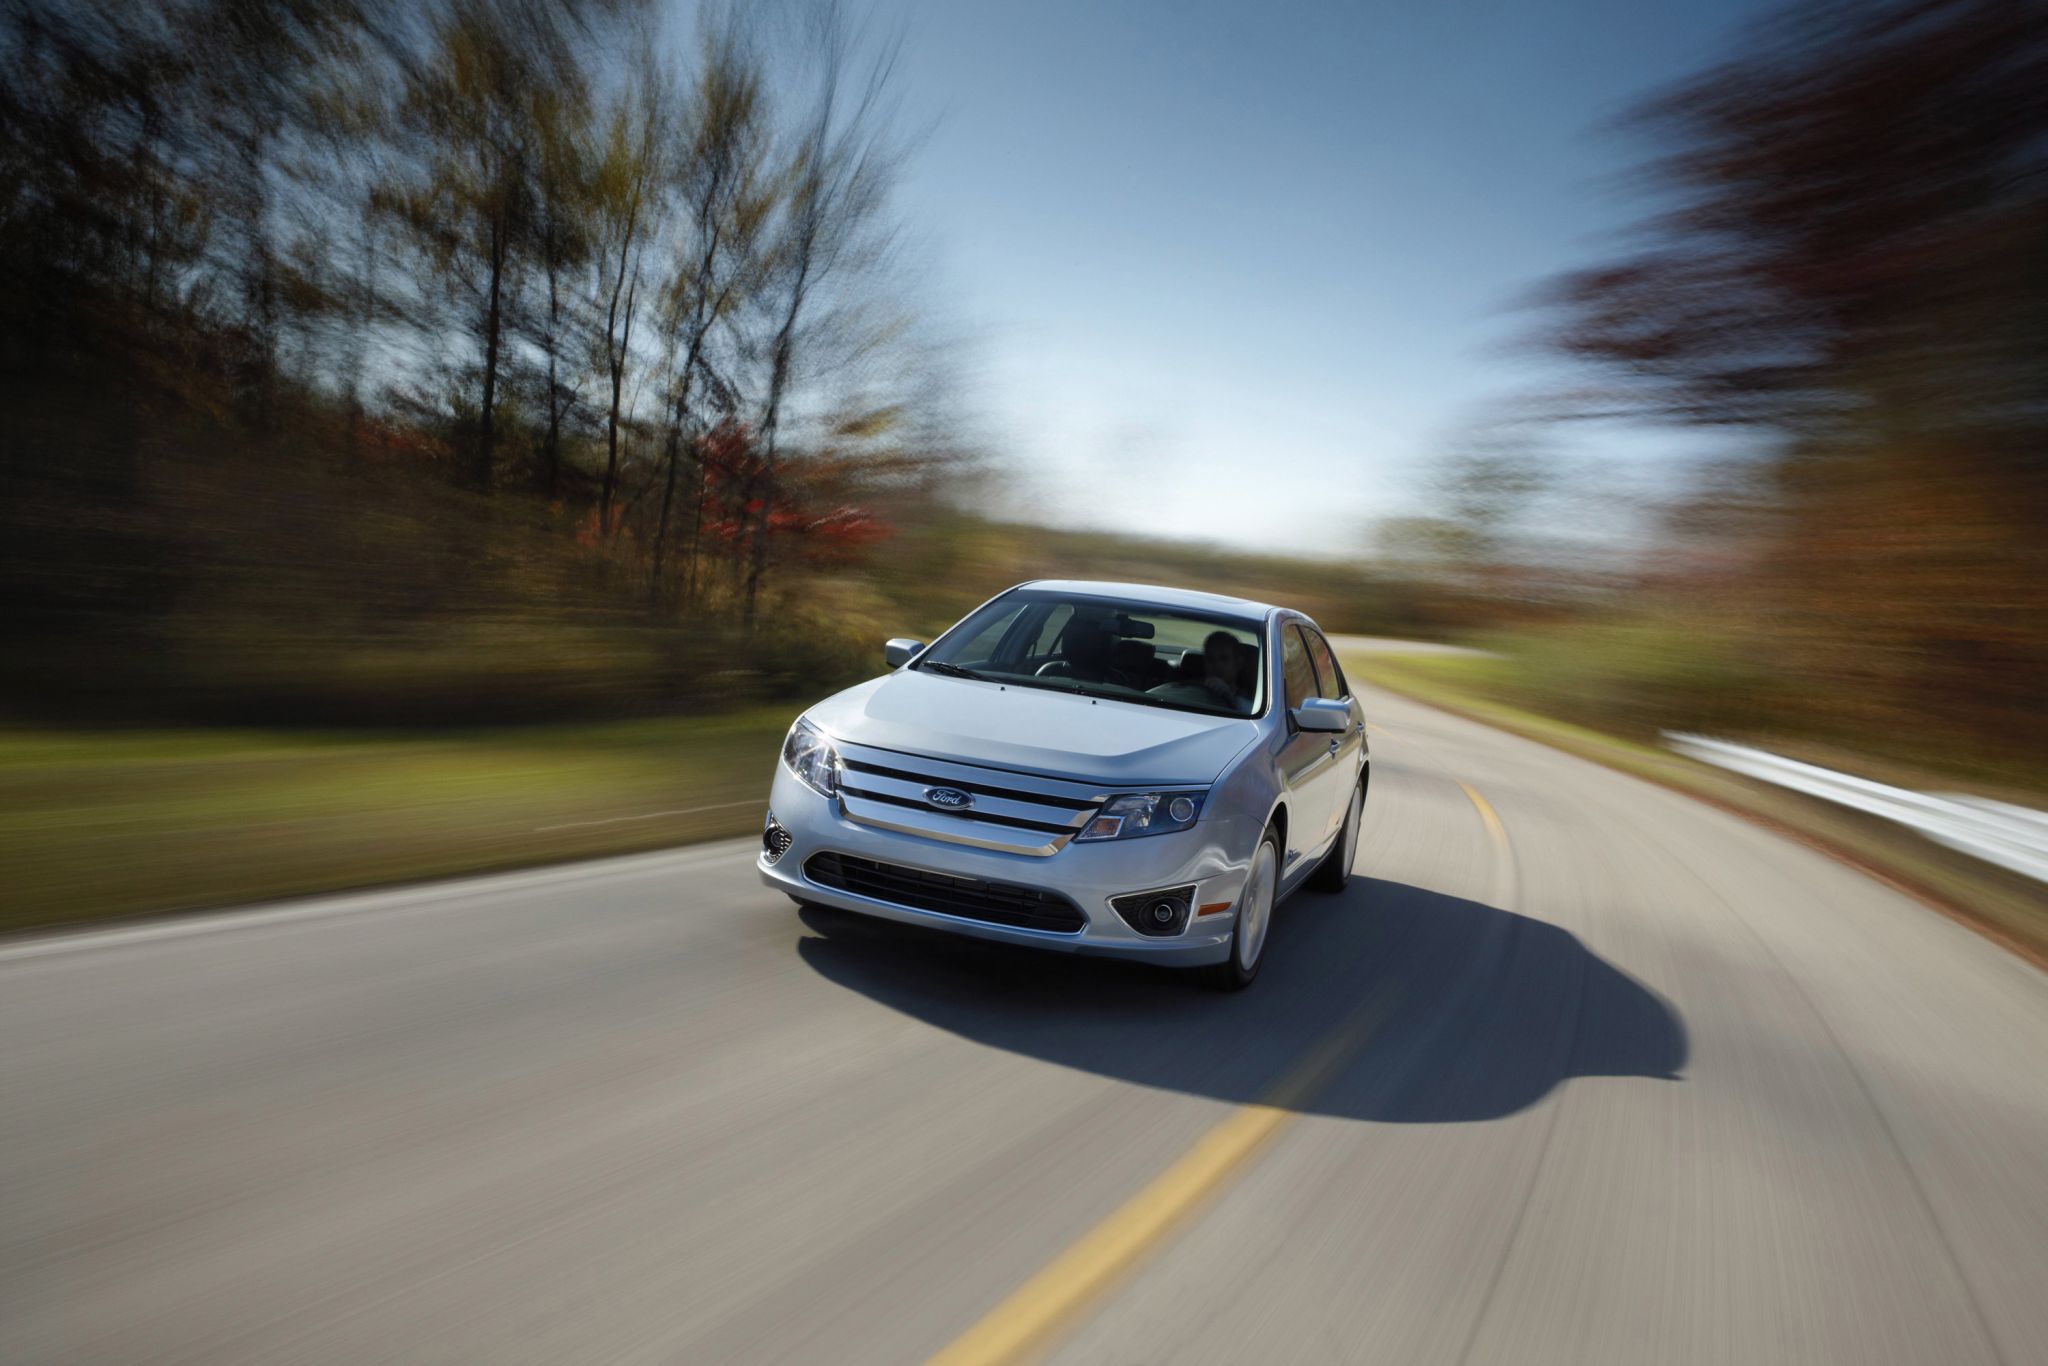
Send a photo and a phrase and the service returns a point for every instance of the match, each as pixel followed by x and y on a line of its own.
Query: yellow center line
pixel 1486 814
pixel 1054 1298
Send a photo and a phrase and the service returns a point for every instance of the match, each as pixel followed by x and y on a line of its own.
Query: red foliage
pixel 805 518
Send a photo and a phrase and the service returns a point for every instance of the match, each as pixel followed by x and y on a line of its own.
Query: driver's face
pixel 1220 654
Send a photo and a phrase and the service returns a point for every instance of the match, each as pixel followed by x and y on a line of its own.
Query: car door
pixel 1348 748
pixel 1308 759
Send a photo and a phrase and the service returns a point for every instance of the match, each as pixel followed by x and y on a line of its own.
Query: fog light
pixel 775 840
pixel 1157 913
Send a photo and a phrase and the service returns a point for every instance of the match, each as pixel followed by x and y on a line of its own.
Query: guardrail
pixel 1998 832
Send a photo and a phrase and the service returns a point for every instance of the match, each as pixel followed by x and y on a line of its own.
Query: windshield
pixel 1103 647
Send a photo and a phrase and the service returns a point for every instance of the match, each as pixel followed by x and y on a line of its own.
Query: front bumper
pixel 1087 874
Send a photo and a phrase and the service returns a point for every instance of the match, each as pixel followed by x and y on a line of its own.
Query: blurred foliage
pixel 1846 271
pixel 370 362
pixel 331 388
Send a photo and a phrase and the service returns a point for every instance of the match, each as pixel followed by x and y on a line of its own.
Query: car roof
pixel 1154 594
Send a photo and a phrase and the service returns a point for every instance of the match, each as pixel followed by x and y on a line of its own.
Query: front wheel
pixel 1254 918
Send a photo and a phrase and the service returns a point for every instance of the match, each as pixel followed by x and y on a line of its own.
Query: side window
pixel 1328 675
pixel 1299 674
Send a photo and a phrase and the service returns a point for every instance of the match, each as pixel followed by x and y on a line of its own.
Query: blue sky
pixel 1208 258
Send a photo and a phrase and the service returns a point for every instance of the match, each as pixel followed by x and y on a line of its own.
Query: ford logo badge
pixel 951 798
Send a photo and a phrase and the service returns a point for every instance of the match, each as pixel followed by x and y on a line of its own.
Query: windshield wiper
pixel 1143 699
pixel 940 666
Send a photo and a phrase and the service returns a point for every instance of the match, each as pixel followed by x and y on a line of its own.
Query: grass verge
pixel 99 824
pixel 2004 906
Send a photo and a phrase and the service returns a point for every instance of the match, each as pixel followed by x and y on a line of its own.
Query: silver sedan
pixel 1090 767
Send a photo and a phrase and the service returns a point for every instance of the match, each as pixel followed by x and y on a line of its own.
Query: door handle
pixel 1334 746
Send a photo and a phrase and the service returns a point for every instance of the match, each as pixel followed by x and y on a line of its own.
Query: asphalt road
pixel 1577 1071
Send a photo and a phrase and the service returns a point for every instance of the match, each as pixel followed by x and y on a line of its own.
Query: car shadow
pixel 1486 1011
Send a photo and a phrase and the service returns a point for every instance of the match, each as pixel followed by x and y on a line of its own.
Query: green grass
pixel 97 824
pixel 2005 905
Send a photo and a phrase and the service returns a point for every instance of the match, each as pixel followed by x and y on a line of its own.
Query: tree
pixel 253 94
pixel 625 186
pixel 835 185
pixel 1850 263
pixel 467 195
pixel 1857 195
pixel 723 198
pixel 561 246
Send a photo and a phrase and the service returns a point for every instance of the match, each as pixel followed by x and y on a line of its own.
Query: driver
pixel 1223 664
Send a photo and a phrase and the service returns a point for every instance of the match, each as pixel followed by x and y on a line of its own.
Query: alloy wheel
pixel 1256 912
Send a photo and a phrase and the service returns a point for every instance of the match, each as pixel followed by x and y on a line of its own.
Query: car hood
pixel 1034 730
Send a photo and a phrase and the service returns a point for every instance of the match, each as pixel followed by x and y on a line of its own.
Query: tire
pixel 1254 919
pixel 1335 870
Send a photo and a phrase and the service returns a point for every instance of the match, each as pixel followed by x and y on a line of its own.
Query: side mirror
pixel 1323 714
pixel 901 651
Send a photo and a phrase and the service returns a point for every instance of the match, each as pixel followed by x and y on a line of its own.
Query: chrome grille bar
pixel 1018 813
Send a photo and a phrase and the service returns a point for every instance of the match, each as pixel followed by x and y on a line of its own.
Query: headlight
pixel 1144 813
pixel 811 757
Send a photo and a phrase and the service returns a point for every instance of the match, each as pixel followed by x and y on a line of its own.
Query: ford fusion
pixel 1093 767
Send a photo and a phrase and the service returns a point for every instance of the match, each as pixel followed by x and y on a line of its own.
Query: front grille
pixel 990 808
pixel 979 785
pixel 996 903
pixel 847 789
pixel 1047 813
